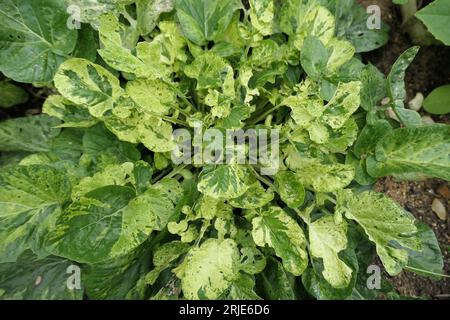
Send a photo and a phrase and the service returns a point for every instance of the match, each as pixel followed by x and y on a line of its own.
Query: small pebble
pixel 31 112
pixel 391 114
pixel 416 103
pixel 444 191
pixel 38 280
pixel 427 120
pixel 439 209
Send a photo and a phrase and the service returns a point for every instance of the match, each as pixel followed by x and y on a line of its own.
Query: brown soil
pixel 429 70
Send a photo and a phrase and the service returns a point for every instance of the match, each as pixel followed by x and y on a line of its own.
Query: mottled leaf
pixel 148 13
pixel 208 270
pixel 108 222
pixel 72 115
pixel 396 82
pixel 290 189
pixel 326 239
pixel 224 181
pixel 352 24
pixel 275 228
pixel 32 134
pixel 255 197
pixel 204 21
pixel 85 83
pixel 33 279
pixel 30 201
pixel 413 150
pixel 386 224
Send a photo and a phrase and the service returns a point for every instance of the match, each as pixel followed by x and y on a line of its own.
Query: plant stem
pixel 427 272
pixel 302 215
pixel 269 183
pixel 176 171
pixel 262 179
pixel 264 115
pixel 160 176
pixel 414 27
pixel 408 10
pixel 127 16
pixel 183 112
pixel 205 227
pixel 180 95
pixel 175 121
pixel 172 120
pixel 165 175
pixel 330 198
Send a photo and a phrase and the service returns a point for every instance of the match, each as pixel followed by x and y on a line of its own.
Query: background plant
pixel 429 25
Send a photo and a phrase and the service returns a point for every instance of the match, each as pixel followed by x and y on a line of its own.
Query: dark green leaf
pixel 276 283
pixel 33 279
pixel 373 87
pixel 428 261
pixel 396 83
pixel 30 201
pixel 35 39
pixel 314 57
pixel 204 21
pixel 28 134
pixel 352 24
pixel 11 95
pixel 438 101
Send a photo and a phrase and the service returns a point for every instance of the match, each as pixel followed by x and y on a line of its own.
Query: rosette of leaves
pixel 91 182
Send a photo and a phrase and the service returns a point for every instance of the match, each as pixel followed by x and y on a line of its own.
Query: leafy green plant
pixel 436 17
pixel 91 181
pixel 35 39
pixel 438 101
pixel 433 18
pixel 11 95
